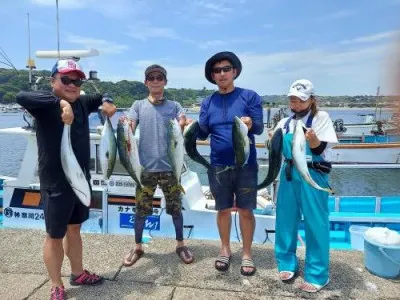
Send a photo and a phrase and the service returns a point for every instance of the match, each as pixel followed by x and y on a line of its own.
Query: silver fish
pixel 241 142
pixel 299 156
pixel 128 151
pixel 274 158
pixel 108 149
pixel 72 169
pixel 175 150
pixel 190 136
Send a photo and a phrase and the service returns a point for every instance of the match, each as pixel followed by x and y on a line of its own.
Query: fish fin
pixel 182 189
pixel 177 187
pixel 145 189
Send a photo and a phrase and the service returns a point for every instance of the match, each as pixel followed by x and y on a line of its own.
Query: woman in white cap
pixel 296 197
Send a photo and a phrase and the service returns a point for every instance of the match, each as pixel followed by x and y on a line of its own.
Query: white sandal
pixel 291 275
pixel 316 287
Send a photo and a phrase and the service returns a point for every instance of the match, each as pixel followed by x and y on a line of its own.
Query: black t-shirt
pixel 45 107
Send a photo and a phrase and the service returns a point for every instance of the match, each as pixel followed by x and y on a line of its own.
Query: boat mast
pixel 58 32
pixel 376 103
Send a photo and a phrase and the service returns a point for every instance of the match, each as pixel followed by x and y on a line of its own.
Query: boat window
pixel 97 200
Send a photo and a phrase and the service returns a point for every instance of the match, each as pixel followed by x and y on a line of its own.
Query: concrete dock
pixel 160 274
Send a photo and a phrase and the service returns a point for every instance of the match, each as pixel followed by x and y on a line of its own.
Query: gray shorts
pixel 231 186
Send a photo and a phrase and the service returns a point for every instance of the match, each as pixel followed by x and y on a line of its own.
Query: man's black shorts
pixel 61 208
pixel 228 184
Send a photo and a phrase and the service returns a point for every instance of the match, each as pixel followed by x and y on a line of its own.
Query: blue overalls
pixel 295 198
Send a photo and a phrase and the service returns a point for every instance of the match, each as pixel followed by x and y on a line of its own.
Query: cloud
pixel 63 4
pixel 336 15
pixel 206 12
pixel 112 9
pixel 99 44
pixel 331 71
pixel 268 26
pixel 350 72
pixel 372 38
pixel 122 8
pixel 222 43
pixel 144 31
pixel 220 8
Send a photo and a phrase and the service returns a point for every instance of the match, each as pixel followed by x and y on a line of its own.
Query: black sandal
pixel 222 263
pixel 247 263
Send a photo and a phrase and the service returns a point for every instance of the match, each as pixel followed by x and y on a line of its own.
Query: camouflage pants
pixel 168 184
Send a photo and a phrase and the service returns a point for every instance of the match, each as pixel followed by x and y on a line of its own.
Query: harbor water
pixel 349 181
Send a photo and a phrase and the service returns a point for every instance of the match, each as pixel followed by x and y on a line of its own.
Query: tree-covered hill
pixel 125 92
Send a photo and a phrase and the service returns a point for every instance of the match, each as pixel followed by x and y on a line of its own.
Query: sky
pixel 344 47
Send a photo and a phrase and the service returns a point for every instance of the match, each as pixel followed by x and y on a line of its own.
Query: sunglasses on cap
pixel 218 70
pixel 152 78
pixel 67 81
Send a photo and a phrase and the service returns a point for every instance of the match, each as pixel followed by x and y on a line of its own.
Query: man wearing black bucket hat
pixel 231 187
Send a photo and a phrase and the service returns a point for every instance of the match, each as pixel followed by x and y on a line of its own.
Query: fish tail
pixel 180 187
pixel 223 170
pixel 145 189
pixel 177 187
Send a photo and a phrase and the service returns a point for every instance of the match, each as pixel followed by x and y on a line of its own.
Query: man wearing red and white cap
pixel 63 211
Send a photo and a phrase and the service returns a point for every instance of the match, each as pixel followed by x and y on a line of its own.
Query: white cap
pixel 302 89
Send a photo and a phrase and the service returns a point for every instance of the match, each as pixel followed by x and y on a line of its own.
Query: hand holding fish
pixel 108 109
pixel 247 121
pixel 186 123
pixel 312 138
pixel 67 115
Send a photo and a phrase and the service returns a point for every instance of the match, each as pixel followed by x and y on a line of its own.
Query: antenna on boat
pixel 58 31
pixel 377 104
pixel 31 63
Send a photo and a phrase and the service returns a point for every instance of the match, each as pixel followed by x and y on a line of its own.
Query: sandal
pixel 287 276
pixel 312 287
pixel 86 278
pixel 184 254
pixel 247 263
pixel 132 257
pixel 223 262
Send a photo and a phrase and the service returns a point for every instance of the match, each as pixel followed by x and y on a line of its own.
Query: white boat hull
pixel 360 153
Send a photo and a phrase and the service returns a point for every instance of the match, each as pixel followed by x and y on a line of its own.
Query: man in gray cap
pixel 153 114
pixel 230 186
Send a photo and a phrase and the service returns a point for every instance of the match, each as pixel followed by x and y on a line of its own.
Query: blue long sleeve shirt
pixel 216 119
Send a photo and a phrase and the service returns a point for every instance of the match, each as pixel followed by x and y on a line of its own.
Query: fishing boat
pixel 342 153
pixel 112 207
pixel 113 204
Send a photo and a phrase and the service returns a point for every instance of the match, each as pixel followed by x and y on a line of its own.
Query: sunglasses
pixel 218 70
pixel 152 78
pixel 67 81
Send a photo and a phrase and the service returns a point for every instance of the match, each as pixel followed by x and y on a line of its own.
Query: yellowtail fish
pixel 108 149
pixel 190 136
pixel 72 170
pixel 274 158
pixel 299 156
pixel 128 151
pixel 175 150
pixel 241 142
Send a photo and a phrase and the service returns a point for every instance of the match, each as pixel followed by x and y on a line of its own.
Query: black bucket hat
pixel 225 55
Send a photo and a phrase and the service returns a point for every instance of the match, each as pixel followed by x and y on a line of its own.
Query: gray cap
pixel 155 68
